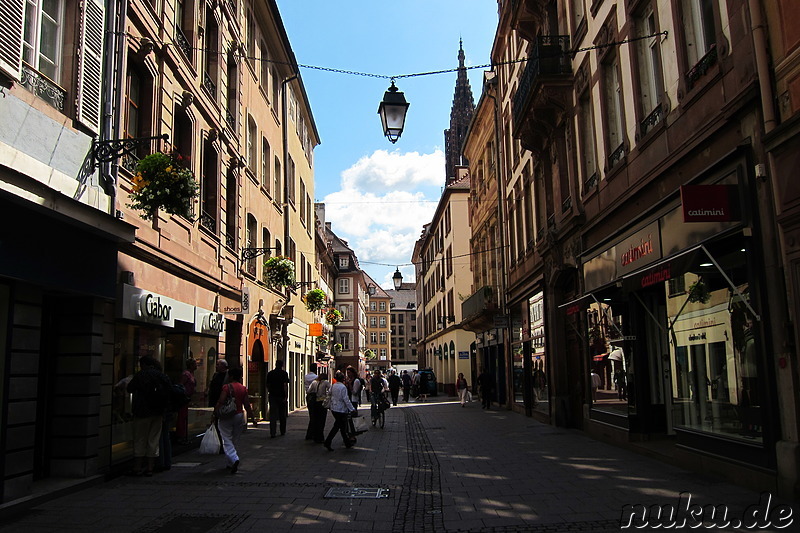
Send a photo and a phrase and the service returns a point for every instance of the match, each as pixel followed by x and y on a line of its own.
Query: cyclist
pixel 378 387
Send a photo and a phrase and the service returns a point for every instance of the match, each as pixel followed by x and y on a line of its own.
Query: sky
pixel 378 195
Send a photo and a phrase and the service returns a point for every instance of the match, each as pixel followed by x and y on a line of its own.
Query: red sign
pixel 710 203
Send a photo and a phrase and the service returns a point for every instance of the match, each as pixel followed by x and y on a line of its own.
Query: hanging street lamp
pixel 397 279
pixel 393 113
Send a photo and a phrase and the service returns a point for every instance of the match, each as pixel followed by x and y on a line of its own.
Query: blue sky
pixel 379 195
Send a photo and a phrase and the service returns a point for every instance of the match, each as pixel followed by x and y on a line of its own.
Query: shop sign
pixel 315 329
pixel 154 308
pixel 635 251
pixel 208 322
pixel 710 203
pixel 234 307
pixel 463 355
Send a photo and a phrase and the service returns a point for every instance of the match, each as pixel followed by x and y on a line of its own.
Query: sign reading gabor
pixel 154 308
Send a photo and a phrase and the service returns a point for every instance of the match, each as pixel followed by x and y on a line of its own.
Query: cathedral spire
pixel 460 117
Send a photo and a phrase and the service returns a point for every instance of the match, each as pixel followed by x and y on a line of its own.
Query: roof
pixel 402 298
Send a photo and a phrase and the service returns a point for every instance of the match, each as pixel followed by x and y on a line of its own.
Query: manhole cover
pixel 355 492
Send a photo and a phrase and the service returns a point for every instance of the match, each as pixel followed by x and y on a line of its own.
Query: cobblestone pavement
pixel 436 467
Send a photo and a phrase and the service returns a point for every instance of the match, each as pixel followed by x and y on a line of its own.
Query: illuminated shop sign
pixel 154 308
pixel 208 322
pixel 710 203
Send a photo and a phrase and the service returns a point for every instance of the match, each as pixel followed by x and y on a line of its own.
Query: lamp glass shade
pixel 393 113
pixel 397 279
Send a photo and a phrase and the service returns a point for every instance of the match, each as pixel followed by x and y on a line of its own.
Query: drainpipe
pixel 114 54
pixel 759 32
pixel 501 193
pixel 286 234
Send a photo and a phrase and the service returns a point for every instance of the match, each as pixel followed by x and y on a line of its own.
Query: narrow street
pixel 435 467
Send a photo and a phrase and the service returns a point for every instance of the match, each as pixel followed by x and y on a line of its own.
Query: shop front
pixel 528 356
pixel 675 330
pixel 171 332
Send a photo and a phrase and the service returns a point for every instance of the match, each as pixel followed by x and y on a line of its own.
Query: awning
pixel 661 271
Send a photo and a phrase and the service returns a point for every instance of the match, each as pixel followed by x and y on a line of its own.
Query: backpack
pixel 178 396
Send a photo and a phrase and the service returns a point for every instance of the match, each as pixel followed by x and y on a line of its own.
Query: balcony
pixel 183 43
pixel 43 87
pixel 527 16
pixel 478 311
pixel 544 91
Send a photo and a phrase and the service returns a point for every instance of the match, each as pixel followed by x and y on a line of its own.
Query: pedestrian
pixel 189 383
pixel 423 386
pixel 341 407
pixel 317 413
pixel 394 386
pixel 151 390
pixel 415 377
pixel 278 391
pixel 462 388
pixel 231 428
pixel 486 385
pixel 406 379
pixel 219 378
pixel 309 378
pixel 353 384
pixel 596 384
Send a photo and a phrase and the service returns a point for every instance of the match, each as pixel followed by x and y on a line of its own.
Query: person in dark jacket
pixel 394 386
pixel 151 391
pixel 219 379
pixel 406 379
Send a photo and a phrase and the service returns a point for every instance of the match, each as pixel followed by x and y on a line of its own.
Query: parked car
pixel 431 379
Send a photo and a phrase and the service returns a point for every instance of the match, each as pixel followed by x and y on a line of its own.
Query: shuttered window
pixel 11 30
pixel 90 64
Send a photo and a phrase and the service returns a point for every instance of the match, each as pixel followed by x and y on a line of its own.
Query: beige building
pixel 378 327
pixel 444 276
pixel 403 325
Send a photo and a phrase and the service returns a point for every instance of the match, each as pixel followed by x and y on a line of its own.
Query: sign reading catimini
pixel 710 203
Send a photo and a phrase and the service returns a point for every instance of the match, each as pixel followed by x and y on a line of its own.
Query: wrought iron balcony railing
pixel 550 57
pixel 43 87
pixel 652 119
pixel 208 222
pixel 209 84
pixel 183 43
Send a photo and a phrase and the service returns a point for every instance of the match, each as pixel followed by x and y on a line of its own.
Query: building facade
pixel 403 326
pixel 378 328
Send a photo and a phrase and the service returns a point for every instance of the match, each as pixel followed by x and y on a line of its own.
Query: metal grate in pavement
pixel 356 492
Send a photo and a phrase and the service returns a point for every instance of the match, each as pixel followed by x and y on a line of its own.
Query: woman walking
pixel 317 413
pixel 231 428
pixel 461 386
pixel 341 407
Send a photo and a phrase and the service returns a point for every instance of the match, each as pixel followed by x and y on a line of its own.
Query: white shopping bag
pixel 210 443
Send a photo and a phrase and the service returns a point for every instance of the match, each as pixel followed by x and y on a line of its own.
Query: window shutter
pixel 12 13
pixel 90 64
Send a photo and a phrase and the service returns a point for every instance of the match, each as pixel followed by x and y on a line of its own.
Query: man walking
pixel 219 379
pixel 406 379
pixel 278 391
pixel 486 384
pixel 394 386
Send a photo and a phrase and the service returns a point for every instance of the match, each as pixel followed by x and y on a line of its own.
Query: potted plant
pixel 698 292
pixel 337 347
pixel 279 271
pixel 162 183
pixel 322 340
pixel 369 354
pixel 333 316
pixel 314 299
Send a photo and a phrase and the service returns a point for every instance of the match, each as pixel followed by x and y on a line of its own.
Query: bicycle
pixel 378 409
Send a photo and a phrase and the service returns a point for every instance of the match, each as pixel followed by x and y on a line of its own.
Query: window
pixel 344 286
pixel 344 340
pixel 184 25
pixel 211 65
pixel 134 104
pixel 264 78
pixel 399 319
pixel 290 177
pixel 578 14
pixel 612 94
pixel 373 338
pixel 699 29
pixel 276 195
pixel 383 321
pixel 41 46
pixel 649 64
pixel 251 37
pixel 265 161
pixel 345 310
pixel 209 192
pixel 383 337
pixel 252 144
pixel 373 322
pixel 373 306
pixel 233 94
pixel 303 203
pixel 344 261
pixel 382 306
pixel 587 146
pixel 383 354
pixel 231 212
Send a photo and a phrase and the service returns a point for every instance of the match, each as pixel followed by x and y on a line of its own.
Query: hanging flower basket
pixel 162 183
pixel 337 347
pixel 322 341
pixel 314 299
pixel 699 293
pixel 279 271
pixel 333 317
pixel 369 355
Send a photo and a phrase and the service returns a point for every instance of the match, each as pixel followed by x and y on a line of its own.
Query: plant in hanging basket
pixel 699 293
pixel 162 183
pixel 322 340
pixel 279 271
pixel 333 316
pixel 337 347
pixel 369 354
pixel 314 299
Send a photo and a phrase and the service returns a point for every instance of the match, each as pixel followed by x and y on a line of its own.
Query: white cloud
pixel 395 171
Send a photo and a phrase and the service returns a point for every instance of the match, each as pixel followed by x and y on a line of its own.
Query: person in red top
pixel 189 383
pixel 230 429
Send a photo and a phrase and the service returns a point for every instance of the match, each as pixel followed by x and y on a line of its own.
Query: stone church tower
pixel 460 117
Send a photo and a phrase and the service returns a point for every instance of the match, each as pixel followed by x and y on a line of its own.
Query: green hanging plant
pixel 333 316
pixel 161 182
pixel 322 341
pixel 315 299
pixel 337 347
pixel 369 354
pixel 279 271
pixel 699 293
